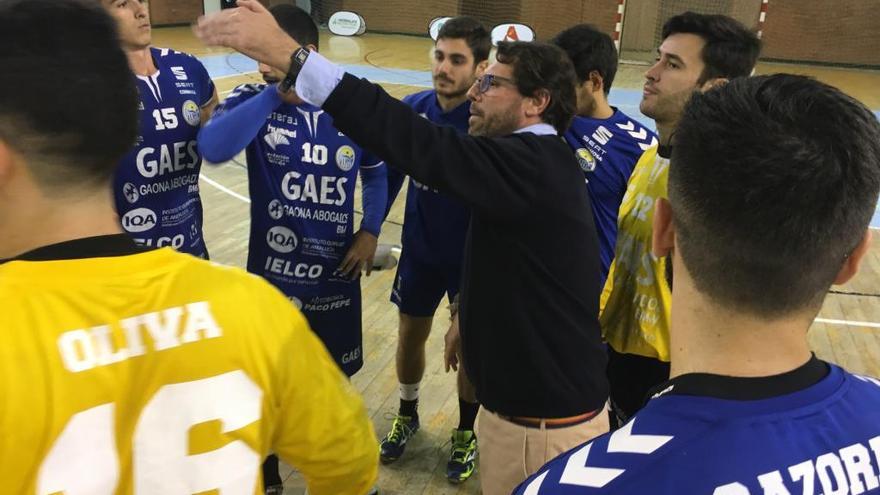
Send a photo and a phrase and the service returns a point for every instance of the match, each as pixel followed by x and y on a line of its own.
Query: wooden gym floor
pixel 847 333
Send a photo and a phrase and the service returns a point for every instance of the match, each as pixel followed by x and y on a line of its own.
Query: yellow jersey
pixel 636 299
pixel 159 373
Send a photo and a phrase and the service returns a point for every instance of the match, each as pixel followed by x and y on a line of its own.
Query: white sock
pixel 409 391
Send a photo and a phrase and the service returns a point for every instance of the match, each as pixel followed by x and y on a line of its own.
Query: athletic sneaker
pixel 402 429
pixel 462 456
pixel 275 490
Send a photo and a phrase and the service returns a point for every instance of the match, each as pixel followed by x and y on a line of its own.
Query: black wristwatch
pixel 297 60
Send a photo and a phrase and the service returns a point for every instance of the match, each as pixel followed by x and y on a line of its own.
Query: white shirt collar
pixel 541 129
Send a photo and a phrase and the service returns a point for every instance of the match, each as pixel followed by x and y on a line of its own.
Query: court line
pixel 237 74
pixel 239 197
pixel 223 188
pixel 848 323
pixel 627 100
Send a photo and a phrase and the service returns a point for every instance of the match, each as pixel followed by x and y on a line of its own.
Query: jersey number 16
pixel 83 460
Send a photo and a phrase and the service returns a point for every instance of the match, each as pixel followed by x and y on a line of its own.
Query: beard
pixel 496 125
pixel 667 107
pixel 271 79
pixel 454 91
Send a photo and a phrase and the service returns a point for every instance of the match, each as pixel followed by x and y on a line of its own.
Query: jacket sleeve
pixel 494 176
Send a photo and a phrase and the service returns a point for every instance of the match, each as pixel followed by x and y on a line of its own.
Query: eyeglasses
pixel 488 81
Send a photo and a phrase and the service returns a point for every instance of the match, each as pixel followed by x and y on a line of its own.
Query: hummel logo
pixel 275 139
pixel 638 133
pixel 663 392
pixel 644 146
pixel 578 473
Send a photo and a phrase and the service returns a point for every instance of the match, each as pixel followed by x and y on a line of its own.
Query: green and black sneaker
pixel 402 429
pixel 462 456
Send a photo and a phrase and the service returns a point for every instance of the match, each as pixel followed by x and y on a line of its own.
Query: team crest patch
pixel 191 113
pixel 585 159
pixel 345 158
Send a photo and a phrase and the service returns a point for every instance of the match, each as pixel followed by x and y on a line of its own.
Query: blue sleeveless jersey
pixel 434 225
pixel 607 151
pixel 157 183
pixel 822 439
pixel 301 178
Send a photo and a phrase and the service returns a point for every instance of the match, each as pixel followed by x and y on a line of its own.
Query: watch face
pixel 301 55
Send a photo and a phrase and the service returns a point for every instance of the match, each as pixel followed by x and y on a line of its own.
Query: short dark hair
pixel 297 23
pixel 731 49
pixel 773 181
pixel 68 100
pixel 472 31
pixel 590 50
pixel 541 66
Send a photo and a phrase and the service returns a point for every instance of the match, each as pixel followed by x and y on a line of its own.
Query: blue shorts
pixel 336 320
pixel 419 286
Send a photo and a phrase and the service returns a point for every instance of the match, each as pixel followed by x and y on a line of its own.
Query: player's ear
pixel 595 78
pixel 481 67
pixel 311 47
pixel 713 83
pixel 854 260
pixel 536 104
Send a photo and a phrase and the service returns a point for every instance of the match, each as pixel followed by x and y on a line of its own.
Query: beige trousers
pixel 510 453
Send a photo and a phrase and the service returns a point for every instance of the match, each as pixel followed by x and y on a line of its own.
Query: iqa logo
pixel 139 220
pixel 281 239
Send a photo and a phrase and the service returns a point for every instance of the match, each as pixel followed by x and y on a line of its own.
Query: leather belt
pixel 551 423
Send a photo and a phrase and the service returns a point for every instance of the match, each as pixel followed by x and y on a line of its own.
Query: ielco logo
pixel 281 239
pixel 139 220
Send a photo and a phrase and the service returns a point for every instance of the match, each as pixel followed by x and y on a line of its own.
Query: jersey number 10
pixel 83 459
pixel 316 154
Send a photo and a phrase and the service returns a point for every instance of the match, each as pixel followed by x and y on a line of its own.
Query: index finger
pixel 252 5
pixel 211 28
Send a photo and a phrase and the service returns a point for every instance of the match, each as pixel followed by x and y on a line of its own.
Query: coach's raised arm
pixel 530 284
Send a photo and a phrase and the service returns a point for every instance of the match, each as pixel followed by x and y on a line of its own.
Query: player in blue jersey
pixel 434 229
pixel 157 183
pixel 301 177
pixel 607 142
pixel 773 183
